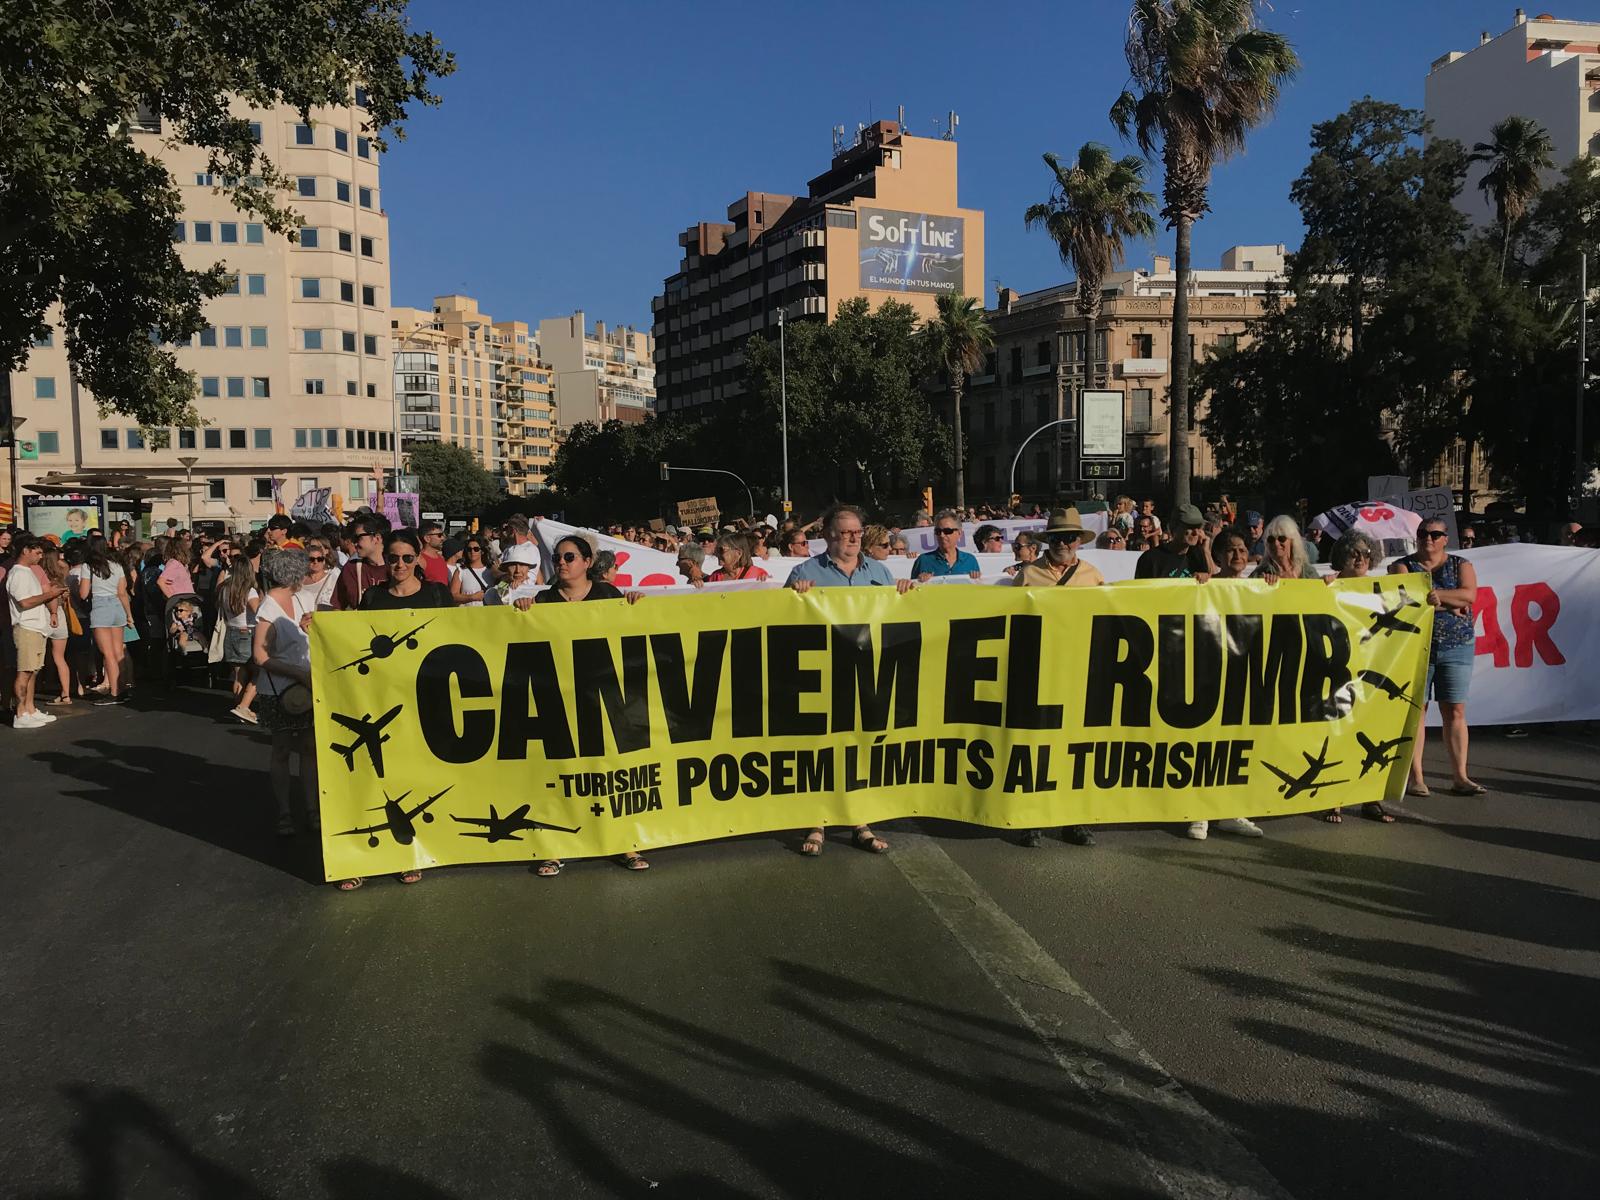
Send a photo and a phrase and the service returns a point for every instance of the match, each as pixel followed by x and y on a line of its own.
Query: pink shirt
pixel 177 577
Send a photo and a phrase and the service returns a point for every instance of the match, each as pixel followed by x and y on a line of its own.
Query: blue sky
pixel 576 141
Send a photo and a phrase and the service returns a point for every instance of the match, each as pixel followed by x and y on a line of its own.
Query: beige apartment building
pixel 1035 372
pixel 465 378
pixel 883 221
pixel 601 374
pixel 1542 68
pixel 293 372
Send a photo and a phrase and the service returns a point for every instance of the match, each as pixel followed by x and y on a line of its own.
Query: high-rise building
pixel 1545 69
pixel 465 378
pixel 882 221
pixel 602 374
pixel 293 372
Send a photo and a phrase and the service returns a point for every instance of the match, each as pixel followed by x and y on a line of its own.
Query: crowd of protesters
pixel 97 614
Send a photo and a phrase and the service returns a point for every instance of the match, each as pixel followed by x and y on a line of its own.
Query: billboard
pixel 64 517
pixel 912 252
pixel 1101 413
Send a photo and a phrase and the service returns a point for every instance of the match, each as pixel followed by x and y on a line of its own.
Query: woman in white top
pixel 474 577
pixel 237 600
pixel 316 590
pixel 281 653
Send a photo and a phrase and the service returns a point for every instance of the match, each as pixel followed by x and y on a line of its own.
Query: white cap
pixel 772 521
pixel 523 553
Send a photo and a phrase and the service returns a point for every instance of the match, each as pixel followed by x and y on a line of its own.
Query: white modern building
pixel 1543 68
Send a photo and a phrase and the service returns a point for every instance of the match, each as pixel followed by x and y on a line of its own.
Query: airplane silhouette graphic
pixel 1309 780
pixel 1377 753
pixel 383 645
pixel 1387 621
pixel 367 733
pixel 1387 686
pixel 505 829
pixel 400 822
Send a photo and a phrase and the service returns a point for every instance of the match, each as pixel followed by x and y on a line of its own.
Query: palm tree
pixel 1518 149
pixel 1094 205
pixel 959 339
pixel 1206 75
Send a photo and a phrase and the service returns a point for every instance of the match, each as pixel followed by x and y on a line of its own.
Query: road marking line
pixel 1186 1151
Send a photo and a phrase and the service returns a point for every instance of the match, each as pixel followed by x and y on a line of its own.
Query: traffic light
pixel 927 500
pixel 666 472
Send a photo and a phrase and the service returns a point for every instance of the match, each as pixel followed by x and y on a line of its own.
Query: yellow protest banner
pixel 571 730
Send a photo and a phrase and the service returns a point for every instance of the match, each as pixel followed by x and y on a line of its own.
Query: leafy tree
pixel 1205 75
pixel 959 338
pixel 1094 205
pixel 1518 149
pixel 450 479
pixel 86 216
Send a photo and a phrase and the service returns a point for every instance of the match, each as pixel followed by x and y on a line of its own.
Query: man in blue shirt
pixel 947 557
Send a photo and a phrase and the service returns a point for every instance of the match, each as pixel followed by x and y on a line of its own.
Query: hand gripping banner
pixel 571 730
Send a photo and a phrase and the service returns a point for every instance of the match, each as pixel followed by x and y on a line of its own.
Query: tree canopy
pixel 449 479
pixel 86 215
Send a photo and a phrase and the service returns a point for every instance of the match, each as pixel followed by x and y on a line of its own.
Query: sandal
pixel 1417 789
pixel 410 877
pixel 812 846
pixel 1373 811
pixel 350 885
pixel 635 862
pixel 870 841
pixel 1334 816
pixel 1469 789
pixel 549 869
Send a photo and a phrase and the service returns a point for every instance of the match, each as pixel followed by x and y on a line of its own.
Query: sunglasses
pixel 476 549
pixel 569 556
pixel 1430 534
pixel 400 558
pixel 316 558
pixel 1113 537
pixel 943 532
pixel 994 537
pixel 1279 537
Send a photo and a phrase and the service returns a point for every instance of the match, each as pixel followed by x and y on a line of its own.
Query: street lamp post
pixel 1018 456
pixel 668 468
pixel 1583 381
pixel 783 394
pixel 11 455
pixel 188 461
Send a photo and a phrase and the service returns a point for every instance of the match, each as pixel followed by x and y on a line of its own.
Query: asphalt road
pixel 1358 1010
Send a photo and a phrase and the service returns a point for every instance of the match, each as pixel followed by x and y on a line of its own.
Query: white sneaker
pixel 1243 826
pixel 44 717
pixel 28 721
pixel 1197 830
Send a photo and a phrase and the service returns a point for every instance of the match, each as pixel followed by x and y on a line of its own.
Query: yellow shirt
pixel 1036 574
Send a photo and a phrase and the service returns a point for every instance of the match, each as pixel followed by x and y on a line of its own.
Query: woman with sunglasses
pixel 1452 585
pixel 736 560
pixel 1286 556
pixel 316 589
pixel 405 587
pixel 473 576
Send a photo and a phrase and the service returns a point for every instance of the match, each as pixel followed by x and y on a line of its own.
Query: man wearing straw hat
pixel 1061 566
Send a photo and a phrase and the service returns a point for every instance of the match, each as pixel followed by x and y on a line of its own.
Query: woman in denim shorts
pixel 1452 591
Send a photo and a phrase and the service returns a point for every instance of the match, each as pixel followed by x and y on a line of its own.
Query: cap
pixel 452 547
pixel 1252 518
pixel 1188 517
pixel 522 552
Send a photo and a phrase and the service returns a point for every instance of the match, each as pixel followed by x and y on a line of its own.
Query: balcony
pixel 1139 368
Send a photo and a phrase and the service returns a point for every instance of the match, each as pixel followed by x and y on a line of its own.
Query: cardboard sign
pixel 695 513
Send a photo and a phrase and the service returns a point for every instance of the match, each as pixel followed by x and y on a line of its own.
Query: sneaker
pixel 44 717
pixel 1033 838
pixel 1243 826
pixel 105 701
pixel 28 721
pixel 1199 829
pixel 244 714
pixel 1078 835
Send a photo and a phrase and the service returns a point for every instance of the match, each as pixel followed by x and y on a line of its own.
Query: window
pixel 256 285
pixel 211 438
pixel 372 391
pixel 236 439
pixel 363 147
pixel 228 231
pixel 313 387
pixel 344 240
pixel 260 386
pixel 44 387
pixel 310 289
pixel 307 185
pixel 1144 345
pixel 361 440
pixel 349 387
pixel 185 439
pixel 300 440
pixel 366 247
pixel 231 283
pixel 1227 343
pixel 1016 413
pixel 135 439
pixel 261 488
pixel 1139 416
pixel 369 343
pixel 178 234
pixel 208 336
pixel 341 140
pixel 316 444
pixel 1041 354
pixel 210 385
pixel 341 190
pixel 308 239
pixel 369 296
pixel 233 336
pixel 202 231
pixel 235 387
pixel 347 290
pixel 364 197
pixel 303 136
pixel 216 489
pixel 358 488
pixel 361 97
pixel 347 341
pixel 48 441
pixel 258 336
pixel 108 439
pixel 311 339
pixel 262 439
pixel 841 220
pixel 253 233
pixel 1016 360
pixel 201 179
pixel 333 439
pixel 255 132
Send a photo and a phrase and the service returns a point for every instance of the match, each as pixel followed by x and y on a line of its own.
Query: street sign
pixel 1113 469
pixel 433 516
pixel 788 505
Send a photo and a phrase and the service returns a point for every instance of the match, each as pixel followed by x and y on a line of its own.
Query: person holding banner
pixel 947 557
pixel 405 586
pixel 1285 556
pixel 1231 552
pixel 843 565
pixel 1182 556
pixel 735 560
pixel 1452 592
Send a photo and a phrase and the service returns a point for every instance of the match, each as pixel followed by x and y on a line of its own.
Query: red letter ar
pixel 1532 632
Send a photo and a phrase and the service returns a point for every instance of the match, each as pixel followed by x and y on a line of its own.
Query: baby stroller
pixel 186 646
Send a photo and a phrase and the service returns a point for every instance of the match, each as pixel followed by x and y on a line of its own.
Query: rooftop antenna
pixel 902 116
pixel 838 138
pixel 950 129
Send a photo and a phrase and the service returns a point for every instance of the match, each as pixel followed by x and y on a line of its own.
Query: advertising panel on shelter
pixel 912 252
